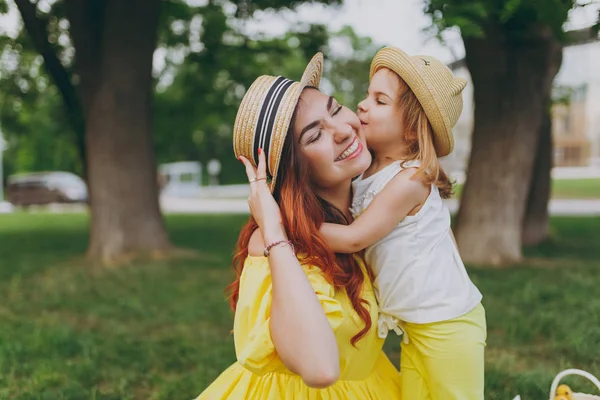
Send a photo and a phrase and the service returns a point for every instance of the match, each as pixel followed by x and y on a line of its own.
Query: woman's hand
pixel 301 332
pixel 263 206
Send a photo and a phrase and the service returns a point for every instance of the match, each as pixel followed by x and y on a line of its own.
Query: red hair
pixel 303 212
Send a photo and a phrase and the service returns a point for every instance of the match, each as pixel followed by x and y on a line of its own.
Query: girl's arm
pixel 302 334
pixel 397 199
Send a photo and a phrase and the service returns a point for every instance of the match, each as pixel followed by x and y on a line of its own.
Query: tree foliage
pixel 349 73
pixel 206 62
pixel 518 20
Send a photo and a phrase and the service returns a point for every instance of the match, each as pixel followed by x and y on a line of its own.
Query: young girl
pixel 421 283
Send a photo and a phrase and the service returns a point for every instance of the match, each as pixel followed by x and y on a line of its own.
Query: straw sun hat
pixel 434 85
pixel 265 114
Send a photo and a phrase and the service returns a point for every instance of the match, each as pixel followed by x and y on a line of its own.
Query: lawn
pixel 161 330
pixel 576 189
pixel 567 189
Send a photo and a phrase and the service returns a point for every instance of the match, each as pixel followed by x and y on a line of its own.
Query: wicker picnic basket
pixel 574 395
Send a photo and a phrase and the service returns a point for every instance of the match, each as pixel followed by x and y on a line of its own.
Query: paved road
pixel 240 206
pixel 206 205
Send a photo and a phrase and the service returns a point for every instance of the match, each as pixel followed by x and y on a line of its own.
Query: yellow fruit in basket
pixel 565 392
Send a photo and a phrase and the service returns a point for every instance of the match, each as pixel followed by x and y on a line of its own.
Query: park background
pixel 121 295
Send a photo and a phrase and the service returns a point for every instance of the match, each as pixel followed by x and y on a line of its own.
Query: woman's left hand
pixel 263 206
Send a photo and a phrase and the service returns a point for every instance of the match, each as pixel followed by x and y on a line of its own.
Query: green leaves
pixel 516 19
pixel 349 74
pixel 209 64
pixel 469 16
pixel 246 8
pixel 194 114
pixel 509 10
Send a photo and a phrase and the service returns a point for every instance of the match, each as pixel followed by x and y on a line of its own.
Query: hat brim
pixel 245 141
pixel 313 72
pixel 400 62
pixel 311 77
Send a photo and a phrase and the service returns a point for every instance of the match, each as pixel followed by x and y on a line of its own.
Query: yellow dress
pixel 259 374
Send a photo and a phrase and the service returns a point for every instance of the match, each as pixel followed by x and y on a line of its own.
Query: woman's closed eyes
pixel 319 133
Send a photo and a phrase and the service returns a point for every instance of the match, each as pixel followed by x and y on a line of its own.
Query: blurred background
pixel 121 200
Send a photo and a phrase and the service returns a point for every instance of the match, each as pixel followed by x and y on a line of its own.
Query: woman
pixel 304 317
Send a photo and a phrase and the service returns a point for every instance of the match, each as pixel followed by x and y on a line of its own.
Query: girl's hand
pixel 263 206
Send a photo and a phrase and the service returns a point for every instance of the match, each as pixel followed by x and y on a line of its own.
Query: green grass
pixel 566 189
pixel 576 189
pixel 161 330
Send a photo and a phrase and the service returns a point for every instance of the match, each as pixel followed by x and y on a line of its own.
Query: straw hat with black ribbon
pixel 434 85
pixel 265 114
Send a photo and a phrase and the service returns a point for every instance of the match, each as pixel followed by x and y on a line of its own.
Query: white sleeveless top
pixel 419 275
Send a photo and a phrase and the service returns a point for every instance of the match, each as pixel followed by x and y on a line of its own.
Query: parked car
pixel 40 188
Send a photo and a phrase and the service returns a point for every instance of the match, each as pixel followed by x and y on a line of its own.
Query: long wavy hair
pixel 303 212
pixel 420 141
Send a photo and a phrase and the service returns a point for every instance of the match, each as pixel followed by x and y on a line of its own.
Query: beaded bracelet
pixel 269 247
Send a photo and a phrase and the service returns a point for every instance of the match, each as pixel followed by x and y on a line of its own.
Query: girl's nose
pixel 362 106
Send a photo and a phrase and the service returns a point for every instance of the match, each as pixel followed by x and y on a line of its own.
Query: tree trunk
pixel 510 82
pixel 114 42
pixel 536 224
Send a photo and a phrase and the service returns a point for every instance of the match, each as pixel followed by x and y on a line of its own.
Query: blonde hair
pixel 419 135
